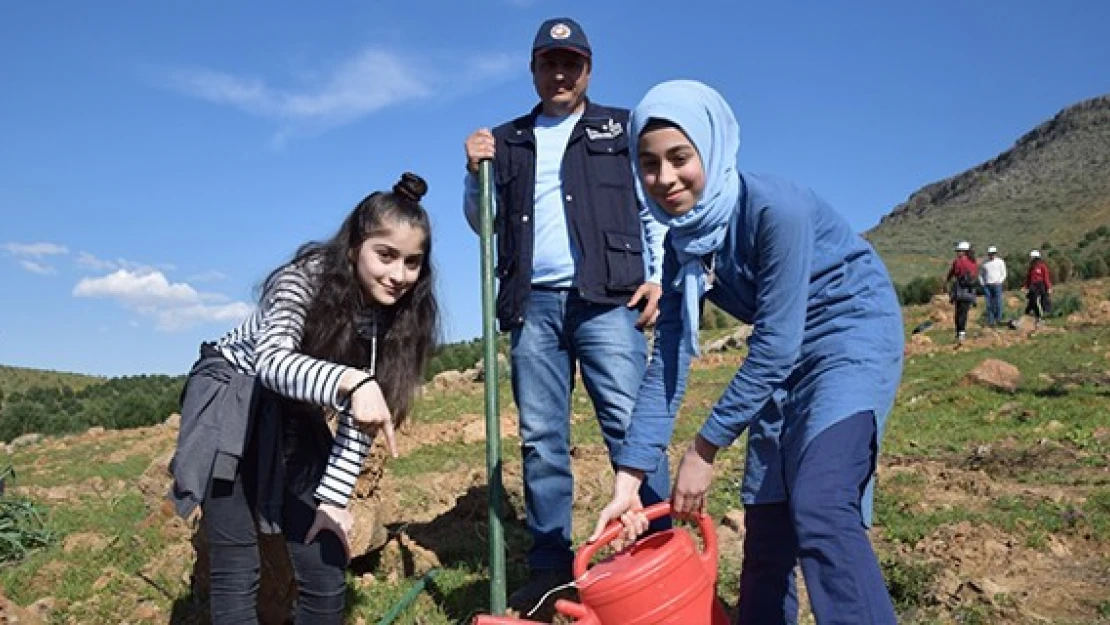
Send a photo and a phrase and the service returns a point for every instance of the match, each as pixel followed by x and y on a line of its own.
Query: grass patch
pixel 936 415
pixel 439 406
pixel 69 576
pixel 449 457
pixel 908 581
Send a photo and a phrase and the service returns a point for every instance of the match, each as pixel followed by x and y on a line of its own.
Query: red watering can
pixel 662 579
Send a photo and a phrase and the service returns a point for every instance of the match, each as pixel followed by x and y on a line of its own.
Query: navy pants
pixel 820 526
pixel 229 523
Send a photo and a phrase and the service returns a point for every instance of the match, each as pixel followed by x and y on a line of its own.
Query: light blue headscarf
pixel 708 121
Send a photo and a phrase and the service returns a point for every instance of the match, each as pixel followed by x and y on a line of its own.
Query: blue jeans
pixel 993 295
pixel 821 526
pixel 561 329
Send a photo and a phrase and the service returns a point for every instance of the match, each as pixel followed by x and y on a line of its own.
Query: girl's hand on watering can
pixel 625 506
pixel 691 483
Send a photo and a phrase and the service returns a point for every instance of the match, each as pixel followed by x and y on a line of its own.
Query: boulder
pixel 996 374
pixel 478 373
pixel 24 440
pixel 451 379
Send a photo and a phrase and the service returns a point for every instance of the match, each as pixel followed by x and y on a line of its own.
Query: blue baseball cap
pixel 561 33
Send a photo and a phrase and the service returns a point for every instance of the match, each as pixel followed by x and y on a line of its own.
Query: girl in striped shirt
pixel 346 326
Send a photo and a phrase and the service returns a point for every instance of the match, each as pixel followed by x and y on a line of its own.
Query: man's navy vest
pixel 599 197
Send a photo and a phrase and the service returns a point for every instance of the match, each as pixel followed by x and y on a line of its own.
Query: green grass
pixel 76 464
pixel 19 379
pixel 449 457
pixel 935 414
pixel 442 406
pixel 115 519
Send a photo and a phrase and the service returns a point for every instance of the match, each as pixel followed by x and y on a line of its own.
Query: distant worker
pixel 962 281
pixel 992 275
pixel 1037 287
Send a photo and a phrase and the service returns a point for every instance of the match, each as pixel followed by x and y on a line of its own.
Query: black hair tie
pixel 363 382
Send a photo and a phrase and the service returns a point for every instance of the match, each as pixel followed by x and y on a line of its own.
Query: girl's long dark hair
pixel 407 331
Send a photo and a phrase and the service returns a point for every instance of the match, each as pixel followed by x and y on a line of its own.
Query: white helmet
pixel 1035 254
pixel 992 250
pixel 963 246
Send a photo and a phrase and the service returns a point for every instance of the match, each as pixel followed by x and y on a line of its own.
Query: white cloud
pixel 209 276
pixel 172 319
pixel 86 260
pixel 367 82
pixel 137 289
pixel 34 250
pixel 37 267
pixel 480 69
pixel 173 306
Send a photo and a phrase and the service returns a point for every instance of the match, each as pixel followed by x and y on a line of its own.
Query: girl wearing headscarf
pixel 823 365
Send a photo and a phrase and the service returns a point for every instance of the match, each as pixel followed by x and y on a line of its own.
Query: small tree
pixel 1096 268
pixel 920 290
pixel 1063 270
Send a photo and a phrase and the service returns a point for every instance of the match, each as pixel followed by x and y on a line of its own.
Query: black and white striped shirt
pixel 267 345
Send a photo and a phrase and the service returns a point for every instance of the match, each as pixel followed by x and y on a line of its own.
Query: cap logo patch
pixel 560 31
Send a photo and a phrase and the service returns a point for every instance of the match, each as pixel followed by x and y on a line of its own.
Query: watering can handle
pixel 659 510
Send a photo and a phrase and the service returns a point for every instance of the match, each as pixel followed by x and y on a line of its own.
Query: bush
pixel 1063 270
pixel 920 290
pixel 125 402
pixel 21 526
pixel 908 582
pixel 1065 305
pixel 1096 268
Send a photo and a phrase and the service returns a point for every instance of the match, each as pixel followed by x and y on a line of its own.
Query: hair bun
pixel 410 187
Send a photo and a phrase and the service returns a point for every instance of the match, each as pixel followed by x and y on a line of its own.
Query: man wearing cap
pixel 962 280
pixel 992 275
pixel 577 282
pixel 1037 287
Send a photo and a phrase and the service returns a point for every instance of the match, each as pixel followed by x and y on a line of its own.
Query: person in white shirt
pixel 992 275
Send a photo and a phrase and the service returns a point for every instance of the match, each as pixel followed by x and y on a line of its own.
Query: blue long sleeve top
pixel 826 342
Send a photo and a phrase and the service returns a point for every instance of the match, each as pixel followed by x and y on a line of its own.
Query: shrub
pixel 920 290
pixel 908 581
pixel 21 525
pixel 1065 305
pixel 1096 268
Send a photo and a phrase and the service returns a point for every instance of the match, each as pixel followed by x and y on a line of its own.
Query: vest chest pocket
pixel 608 161
pixel 624 259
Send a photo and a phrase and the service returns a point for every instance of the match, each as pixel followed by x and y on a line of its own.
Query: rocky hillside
pixel 1052 186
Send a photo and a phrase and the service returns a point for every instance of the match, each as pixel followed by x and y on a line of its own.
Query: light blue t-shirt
pixel 554 255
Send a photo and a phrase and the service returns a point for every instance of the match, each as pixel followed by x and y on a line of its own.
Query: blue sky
pixel 157 159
